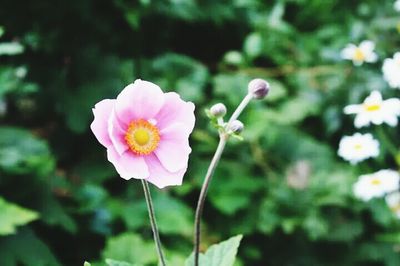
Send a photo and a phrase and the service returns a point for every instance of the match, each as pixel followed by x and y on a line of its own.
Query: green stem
pixel 153 222
pixel 386 142
pixel 223 138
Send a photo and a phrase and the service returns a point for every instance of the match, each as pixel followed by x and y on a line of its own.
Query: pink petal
pixel 159 176
pixel 117 133
pixel 175 131
pixel 101 112
pixel 140 100
pixel 128 165
pixel 175 110
pixel 173 154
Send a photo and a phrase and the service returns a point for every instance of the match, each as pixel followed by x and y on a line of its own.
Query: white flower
pixel 376 184
pixel 391 70
pixel 397 5
pixel 360 54
pixel 358 147
pixel 375 110
pixel 393 201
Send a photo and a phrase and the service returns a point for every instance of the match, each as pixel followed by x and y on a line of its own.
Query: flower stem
pixel 223 138
pixel 153 222
pixel 387 143
pixel 202 197
pixel 240 108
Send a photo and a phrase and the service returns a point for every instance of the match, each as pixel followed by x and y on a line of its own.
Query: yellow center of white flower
pixel 142 137
pixel 358 55
pixel 358 147
pixel 376 182
pixel 372 107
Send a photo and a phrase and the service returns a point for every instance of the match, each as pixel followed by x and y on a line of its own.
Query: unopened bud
pixel 218 110
pixel 259 88
pixel 236 127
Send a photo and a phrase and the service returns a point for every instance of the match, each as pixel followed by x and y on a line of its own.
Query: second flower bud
pixel 218 110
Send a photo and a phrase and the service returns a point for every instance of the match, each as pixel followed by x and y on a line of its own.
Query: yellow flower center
pixel 358 55
pixel 142 137
pixel 358 147
pixel 372 107
pixel 375 182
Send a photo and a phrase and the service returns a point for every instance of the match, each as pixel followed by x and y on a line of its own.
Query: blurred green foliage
pixel 283 187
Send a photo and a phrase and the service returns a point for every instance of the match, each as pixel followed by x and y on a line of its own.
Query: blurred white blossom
pixel 360 54
pixel 375 110
pixel 358 147
pixel 376 184
pixel 397 5
pixel 391 70
pixel 393 201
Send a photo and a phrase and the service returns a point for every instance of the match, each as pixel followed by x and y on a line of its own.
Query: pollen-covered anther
pixel 142 137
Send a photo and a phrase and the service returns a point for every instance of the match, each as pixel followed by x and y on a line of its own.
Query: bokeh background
pixel 283 187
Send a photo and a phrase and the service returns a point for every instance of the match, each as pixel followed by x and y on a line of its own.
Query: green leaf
pixel 231 86
pixel 11 48
pixel 180 73
pixel 222 254
pixel 131 248
pixel 253 45
pixel 232 187
pixel 277 92
pixel 12 215
pixel 23 153
pixel 173 216
pixel 86 263
pixel 111 262
pixel 53 213
pixel 102 76
pixel 25 248
pixel 233 58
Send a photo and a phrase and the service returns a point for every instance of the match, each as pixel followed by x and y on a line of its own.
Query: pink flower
pixel 146 133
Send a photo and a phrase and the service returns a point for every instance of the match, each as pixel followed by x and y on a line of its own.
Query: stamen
pixel 372 107
pixel 142 137
pixel 358 147
pixel 359 55
pixel 376 182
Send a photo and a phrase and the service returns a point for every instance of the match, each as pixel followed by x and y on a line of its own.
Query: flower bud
pixel 236 127
pixel 218 110
pixel 259 88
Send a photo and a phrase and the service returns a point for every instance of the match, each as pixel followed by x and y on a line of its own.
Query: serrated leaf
pixel 221 254
pixel 12 215
pixel 131 248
